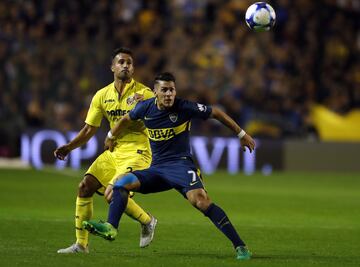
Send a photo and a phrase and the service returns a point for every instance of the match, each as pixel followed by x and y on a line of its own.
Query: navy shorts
pixel 181 175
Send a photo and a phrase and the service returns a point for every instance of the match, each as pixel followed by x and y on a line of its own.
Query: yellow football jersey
pixel 109 104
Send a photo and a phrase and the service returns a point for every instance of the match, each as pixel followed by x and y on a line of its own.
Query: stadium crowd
pixel 54 55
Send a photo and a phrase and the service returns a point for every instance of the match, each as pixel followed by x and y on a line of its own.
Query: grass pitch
pixel 305 219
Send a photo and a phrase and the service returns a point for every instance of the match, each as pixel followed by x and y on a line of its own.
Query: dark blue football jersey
pixel 169 129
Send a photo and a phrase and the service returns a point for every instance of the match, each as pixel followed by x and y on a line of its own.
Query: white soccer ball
pixel 260 17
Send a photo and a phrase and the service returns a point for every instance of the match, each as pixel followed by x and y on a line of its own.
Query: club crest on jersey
pixel 173 117
pixel 135 98
pixel 130 100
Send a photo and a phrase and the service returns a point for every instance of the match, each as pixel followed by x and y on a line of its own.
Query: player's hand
pixel 138 97
pixel 248 142
pixel 109 144
pixel 62 152
pixel 108 193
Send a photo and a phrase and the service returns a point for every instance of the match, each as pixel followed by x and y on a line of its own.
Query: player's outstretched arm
pixel 245 139
pixel 82 137
pixel 122 124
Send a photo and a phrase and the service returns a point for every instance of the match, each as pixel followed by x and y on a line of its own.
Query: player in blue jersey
pixel 168 120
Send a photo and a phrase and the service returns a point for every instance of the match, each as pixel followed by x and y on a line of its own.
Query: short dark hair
pixel 123 50
pixel 165 76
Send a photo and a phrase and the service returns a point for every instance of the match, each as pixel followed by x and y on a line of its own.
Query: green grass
pixel 299 219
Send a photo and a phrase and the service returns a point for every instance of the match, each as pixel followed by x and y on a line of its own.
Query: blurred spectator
pixel 54 54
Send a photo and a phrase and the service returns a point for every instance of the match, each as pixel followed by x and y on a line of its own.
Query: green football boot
pixel 102 229
pixel 242 253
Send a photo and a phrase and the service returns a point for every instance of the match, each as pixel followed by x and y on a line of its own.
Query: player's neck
pixel 120 85
pixel 160 107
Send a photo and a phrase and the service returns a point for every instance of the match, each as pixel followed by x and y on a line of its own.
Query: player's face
pixel 165 93
pixel 122 66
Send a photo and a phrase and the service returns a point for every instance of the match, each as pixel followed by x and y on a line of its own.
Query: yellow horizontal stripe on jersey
pixel 167 133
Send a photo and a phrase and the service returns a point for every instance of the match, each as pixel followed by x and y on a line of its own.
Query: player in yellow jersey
pixel 131 153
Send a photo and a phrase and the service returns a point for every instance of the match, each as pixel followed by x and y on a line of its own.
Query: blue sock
pixel 222 222
pixel 117 206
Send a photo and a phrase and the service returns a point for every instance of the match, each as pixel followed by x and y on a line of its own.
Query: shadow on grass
pixel 173 254
pixel 312 257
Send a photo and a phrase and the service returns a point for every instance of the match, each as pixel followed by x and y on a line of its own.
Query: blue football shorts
pixel 181 175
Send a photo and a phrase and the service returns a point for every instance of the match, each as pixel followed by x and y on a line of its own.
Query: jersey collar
pixel 127 86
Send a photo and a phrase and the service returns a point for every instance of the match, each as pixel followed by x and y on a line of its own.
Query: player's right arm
pixel 92 123
pixel 80 139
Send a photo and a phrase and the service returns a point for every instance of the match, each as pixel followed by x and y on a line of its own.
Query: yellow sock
pixel 134 211
pixel 84 211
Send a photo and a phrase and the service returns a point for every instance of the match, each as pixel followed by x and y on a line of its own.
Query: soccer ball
pixel 260 17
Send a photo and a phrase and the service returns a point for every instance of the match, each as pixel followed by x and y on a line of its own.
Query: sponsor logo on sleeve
pixel 201 107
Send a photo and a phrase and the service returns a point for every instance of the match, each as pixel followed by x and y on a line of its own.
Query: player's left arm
pixel 122 124
pixel 245 139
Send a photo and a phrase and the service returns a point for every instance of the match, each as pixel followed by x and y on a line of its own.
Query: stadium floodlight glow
pixel 25 149
pixel 31 148
pixel 35 147
pixel 208 152
pixel 233 155
pixel 249 162
pixel 209 162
